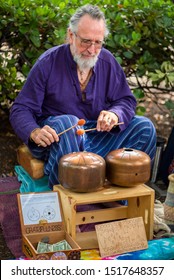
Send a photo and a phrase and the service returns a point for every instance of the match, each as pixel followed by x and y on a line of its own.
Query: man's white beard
pixel 85 63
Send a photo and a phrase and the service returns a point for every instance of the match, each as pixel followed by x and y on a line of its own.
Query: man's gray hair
pixel 93 11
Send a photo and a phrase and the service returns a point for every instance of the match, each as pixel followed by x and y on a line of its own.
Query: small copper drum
pixel 128 167
pixel 82 172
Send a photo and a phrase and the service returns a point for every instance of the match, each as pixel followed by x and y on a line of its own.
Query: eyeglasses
pixel 86 43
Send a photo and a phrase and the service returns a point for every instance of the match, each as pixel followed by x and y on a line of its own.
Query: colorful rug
pixel 9 216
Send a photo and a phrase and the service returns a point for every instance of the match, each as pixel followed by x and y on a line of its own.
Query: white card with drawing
pixel 38 207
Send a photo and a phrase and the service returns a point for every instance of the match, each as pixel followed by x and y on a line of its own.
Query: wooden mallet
pixel 82 131
pixel 80 123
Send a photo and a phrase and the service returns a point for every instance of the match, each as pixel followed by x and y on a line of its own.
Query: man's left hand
pixel 106 121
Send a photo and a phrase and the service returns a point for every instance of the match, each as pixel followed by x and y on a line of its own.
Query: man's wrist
pixel 31 139
pixel 115 115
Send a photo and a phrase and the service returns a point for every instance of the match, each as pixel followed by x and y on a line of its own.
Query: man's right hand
pixel 44 136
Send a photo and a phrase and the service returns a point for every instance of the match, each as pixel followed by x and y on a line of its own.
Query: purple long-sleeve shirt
pixel 52 88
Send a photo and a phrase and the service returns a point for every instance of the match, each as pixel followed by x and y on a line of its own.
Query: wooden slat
pixel 101 215
pixel 87 240
pixel 109 193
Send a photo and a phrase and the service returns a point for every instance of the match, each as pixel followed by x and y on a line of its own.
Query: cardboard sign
pixel 121 236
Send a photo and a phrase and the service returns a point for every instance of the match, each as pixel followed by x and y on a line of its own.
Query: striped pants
pixel 139 135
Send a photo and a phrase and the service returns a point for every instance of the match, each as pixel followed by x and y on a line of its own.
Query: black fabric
pixel 167 158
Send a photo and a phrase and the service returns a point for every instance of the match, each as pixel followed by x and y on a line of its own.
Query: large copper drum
pixel 128 167
pixel 82 172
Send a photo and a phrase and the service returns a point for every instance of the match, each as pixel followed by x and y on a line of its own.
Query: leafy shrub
pixel 28 28
pixel 142 41
pixel 141 38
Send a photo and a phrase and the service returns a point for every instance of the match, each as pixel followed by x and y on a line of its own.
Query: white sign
pixel 39 207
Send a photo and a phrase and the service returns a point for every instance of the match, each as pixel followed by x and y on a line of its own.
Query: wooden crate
pixel 140 204
pixel 33 166
pixel 41 217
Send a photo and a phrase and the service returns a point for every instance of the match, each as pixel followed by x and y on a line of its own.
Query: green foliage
pixel 165 73
pixel 141 38
pixel 170 106
pixel 28 28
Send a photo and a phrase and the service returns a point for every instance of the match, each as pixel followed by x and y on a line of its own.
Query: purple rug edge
pixel 9 214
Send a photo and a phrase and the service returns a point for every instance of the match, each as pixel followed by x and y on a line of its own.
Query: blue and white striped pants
pixel 140 135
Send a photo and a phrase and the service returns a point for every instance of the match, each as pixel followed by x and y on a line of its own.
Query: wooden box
pixel 140 203
pixel 41 217
pixel 33 166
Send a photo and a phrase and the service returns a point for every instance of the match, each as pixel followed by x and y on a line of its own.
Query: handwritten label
pixel 121 236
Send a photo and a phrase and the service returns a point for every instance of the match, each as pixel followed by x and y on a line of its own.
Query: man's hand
pixel 106 121
pixel 44 136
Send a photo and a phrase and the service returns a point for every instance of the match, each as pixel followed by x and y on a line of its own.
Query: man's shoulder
pixel 107 57
pixel 52 52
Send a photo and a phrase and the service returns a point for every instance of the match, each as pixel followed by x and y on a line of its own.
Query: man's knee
pixel 144 122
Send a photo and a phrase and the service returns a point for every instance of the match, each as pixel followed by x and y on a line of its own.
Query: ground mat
pixel 9 215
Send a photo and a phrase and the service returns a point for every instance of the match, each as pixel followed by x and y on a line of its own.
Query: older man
pixel 79 80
